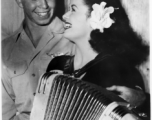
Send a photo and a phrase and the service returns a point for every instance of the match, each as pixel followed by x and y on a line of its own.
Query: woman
pixel 107 50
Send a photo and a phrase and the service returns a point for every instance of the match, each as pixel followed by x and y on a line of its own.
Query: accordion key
pixel 61 97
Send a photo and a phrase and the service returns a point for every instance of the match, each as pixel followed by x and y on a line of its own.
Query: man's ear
pixel 19 2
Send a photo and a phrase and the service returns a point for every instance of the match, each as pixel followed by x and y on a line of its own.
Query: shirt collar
pixel 18 32
pixel 55 27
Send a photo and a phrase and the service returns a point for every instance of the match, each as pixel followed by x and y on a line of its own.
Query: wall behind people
pixel 11 17
pixel 138 12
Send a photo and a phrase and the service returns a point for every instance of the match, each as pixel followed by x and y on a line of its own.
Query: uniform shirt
pixel 23 64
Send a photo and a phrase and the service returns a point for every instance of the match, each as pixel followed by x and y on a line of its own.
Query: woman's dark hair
pixel 119 39
pixel 59 9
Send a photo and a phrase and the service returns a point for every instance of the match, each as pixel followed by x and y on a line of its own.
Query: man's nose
pixel 43 3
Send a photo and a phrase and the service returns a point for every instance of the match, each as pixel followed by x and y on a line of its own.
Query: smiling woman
pixel 107 49
pixel 76 22
pixel 95 64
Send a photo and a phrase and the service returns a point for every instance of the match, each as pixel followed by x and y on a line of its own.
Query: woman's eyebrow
pixel 73 5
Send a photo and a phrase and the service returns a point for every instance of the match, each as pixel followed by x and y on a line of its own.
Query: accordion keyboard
pixel 61 97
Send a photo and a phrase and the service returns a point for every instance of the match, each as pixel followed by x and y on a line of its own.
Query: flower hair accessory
pixel 100 16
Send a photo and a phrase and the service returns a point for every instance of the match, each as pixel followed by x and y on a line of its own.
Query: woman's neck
pixel 84 54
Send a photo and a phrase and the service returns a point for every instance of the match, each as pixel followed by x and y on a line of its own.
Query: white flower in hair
pixel 100 16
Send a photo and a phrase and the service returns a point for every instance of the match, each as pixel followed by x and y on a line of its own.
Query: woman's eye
pixel 73 10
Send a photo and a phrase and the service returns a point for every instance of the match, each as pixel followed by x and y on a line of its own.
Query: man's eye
pixel 73 10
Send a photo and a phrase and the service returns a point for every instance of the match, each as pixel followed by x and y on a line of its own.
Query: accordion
pixel 61 97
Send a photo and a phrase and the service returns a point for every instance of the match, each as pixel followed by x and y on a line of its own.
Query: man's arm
pixel 9 109
pixel 8 102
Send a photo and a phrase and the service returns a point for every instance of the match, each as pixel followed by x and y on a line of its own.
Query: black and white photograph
pixel 75 60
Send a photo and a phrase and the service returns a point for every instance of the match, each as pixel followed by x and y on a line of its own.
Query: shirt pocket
pixel 16 68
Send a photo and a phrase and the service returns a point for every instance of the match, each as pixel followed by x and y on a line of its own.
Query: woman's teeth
pixel 67 26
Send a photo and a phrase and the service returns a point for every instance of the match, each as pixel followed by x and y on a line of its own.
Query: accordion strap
pixel 89 65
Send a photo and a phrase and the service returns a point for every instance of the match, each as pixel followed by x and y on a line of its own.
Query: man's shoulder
pixel 10 40
pixel 8 43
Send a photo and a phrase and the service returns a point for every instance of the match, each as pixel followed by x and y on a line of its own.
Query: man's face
pixel 38 12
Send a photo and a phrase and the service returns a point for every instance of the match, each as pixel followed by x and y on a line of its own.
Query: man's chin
pixel 45 22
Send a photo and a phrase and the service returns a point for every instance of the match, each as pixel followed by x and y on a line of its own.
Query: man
pixel 26 54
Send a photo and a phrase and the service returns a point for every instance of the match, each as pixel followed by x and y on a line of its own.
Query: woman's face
pixel 76 21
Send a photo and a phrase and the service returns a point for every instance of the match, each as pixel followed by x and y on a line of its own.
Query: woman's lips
pixel 67 25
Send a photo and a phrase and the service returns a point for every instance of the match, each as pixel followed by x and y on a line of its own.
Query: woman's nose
pixel 66 15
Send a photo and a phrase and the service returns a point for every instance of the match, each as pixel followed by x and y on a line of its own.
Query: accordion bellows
pixel 60 97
